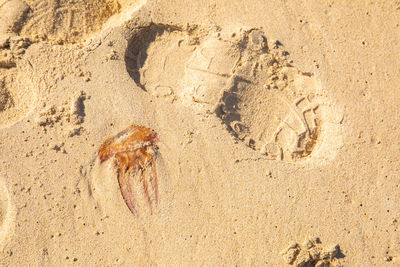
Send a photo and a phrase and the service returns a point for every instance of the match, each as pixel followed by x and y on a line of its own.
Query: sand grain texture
pixel 278 124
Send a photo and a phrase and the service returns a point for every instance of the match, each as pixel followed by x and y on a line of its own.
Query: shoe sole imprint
pixel 249 84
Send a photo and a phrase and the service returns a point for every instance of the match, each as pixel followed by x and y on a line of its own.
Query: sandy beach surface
pixel 271 133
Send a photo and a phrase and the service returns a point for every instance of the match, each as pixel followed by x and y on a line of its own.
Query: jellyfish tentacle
pixel 124 174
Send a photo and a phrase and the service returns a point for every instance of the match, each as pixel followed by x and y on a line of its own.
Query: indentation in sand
pixel 266 102
pixel 207 71
pixel 156 55
pixel 263 100
pixel 66 21
pixel 7 214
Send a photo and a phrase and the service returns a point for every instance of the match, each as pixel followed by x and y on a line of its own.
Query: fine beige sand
pixel 279 129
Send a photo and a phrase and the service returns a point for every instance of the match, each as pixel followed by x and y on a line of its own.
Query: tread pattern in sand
pixel 269 104
pixel 66 21
pixel 263 100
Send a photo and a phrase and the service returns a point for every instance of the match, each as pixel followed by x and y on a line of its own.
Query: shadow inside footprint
pixel 228 110
pixel 137 52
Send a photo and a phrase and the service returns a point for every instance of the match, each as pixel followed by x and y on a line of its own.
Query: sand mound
pixel 311 253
